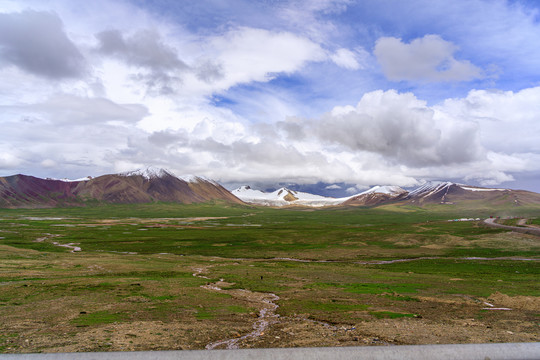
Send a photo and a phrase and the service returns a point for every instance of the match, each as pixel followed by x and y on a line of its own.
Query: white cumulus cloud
pixel 509 120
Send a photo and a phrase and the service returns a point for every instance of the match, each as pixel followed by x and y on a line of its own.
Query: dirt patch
pixel 133 336
pixel 435 246
pixel 509 240
pixel 516 302
pixel 17 251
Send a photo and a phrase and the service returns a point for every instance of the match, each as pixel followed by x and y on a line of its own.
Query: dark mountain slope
pixel 128 188
pixel 29 191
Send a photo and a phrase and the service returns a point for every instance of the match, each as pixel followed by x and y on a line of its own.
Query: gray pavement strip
pixel 508 351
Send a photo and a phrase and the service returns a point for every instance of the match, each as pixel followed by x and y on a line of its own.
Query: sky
pixel 328 95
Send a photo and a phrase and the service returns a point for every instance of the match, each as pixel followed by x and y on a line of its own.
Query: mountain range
pixel 434 192
pixel 285 197
pixel 155 184
pixel 141 186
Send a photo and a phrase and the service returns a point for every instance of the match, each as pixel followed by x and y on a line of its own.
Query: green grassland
pixel 137 264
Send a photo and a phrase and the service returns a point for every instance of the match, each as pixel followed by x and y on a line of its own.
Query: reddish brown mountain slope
pixel 451 193
pixel 27 191
pixel 374 199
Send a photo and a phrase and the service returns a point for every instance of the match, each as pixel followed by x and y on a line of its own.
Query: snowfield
pixel 283 197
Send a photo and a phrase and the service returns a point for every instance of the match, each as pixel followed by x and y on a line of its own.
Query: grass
pixel 389 315
pixel 99 318
pixel 137 263
pixel 204 314
pixel 343 233
pixel 213 312
pixel 326 306
pixel 479 277
pixel 371 288
pixel 402 298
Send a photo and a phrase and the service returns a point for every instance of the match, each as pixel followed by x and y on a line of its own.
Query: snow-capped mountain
pixel 377 195
pixel 282 197
pixel 153 172
pixel 139 186
pixel 434 192
pixel 287 197
pixel 155 184
pixel 148 173
pixel 445 192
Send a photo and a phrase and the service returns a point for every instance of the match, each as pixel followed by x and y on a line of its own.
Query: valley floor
pixel 246 277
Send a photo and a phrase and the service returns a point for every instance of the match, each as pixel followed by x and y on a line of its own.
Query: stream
pixel 378 262
pixel 52 236
pixel 267 315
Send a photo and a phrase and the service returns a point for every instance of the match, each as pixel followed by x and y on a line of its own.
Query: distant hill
pixel 452 193
pixel 435 192
pixel 286 197
pixel 141 186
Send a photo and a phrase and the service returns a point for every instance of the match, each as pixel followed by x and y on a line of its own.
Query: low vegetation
pixel 349 276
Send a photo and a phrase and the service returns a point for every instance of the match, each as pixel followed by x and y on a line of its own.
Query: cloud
pixel 244 97
pixel 35 42
pixel 158 63
pixel 490 178
pixel 427 59
pixel 8 160
pixel 216 63
pixel 509 120
pixel 124 166
pixel 144 48
pixel 77 143
pixel 387 138
pixel 249 54
pixel 165 138
pixel 72 109
pixel 311 17
pixel 400 128
pixel 209 71
pixel 48 163
pixel 333 187
pixel 346 59
pixel 381 139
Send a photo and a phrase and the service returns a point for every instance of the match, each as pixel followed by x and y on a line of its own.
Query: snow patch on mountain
pixel 197 179
pixel 390 190
pixel 72 180
pixel 148 173
pixel 429 188
pixel 283 197
pixel 433 187
pixel 152 172
pixel 469 188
